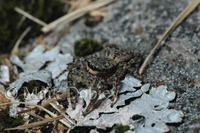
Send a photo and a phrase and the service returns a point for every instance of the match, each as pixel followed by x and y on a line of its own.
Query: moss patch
pixel 32 119
pixel 6 121
pixel 121 128
pixel 33 86
pixel 86 46
pixel 10 30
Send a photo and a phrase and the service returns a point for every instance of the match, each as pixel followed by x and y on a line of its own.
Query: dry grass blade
pixel 35 124
pixel 63 95
pixel 58 108
pixel 78 4
pixel 35 115
pixel 20 11
pixel 15 49
pixel 76 14
pixel 99 12
pixel 40 107
pixel 178 20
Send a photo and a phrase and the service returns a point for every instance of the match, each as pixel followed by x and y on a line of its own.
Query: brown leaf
pixel 3 98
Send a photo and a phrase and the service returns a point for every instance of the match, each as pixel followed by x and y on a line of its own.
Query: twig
pixel 30 16
pixel 15 49
pixel 76 14
pixel 178 20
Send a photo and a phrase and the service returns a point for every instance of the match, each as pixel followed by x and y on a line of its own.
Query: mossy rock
pixel 86 47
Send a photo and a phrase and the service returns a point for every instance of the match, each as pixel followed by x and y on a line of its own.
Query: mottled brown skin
pixel 101 72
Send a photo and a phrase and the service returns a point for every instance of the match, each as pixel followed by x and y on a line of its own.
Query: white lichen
pixel 153 107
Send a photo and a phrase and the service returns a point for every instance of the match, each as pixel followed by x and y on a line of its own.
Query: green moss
pixel 32 119
pixel 86 46
pixel 34 86
pixel 10 30
pixel 121 128
pixel 6 121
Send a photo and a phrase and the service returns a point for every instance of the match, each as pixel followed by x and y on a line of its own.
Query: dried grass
pixel 76 14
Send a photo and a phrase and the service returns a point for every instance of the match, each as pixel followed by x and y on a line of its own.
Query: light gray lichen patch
pixel 152 106
pixel 4 74
pixel 43 76
pixel 37 58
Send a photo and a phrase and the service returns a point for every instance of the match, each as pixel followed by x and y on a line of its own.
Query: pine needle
pixel 178 20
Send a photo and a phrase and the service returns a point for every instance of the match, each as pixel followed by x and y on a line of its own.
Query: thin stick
pixel 38 21
pixel 15 49
pixel 76 14
pixel 178 20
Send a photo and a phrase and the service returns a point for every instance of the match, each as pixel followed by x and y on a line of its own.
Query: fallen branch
pixel 178 20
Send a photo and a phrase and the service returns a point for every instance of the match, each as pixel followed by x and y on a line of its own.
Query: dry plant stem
pixel 40 107
pixel 57 107
pixel 21 22
pixel 35 115
pixel 15 49
pixel 63 32
pixel 63 95
pixel 76 14
pixel 20 11
pixel 178 20
pixel 74 6
pixel 78 4
pixel 41 41
pixel 35 124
